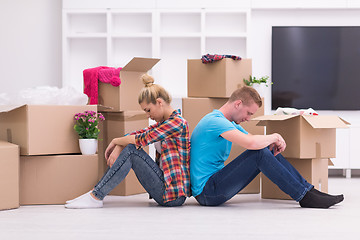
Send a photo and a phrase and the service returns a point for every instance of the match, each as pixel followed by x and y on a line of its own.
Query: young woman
pixel 167 182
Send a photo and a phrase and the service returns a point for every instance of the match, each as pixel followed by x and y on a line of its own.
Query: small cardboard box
pixel 117 124
pixel 193 109
pixel 315 171
pixel 9 175
pixel 125 96
pixel 305 136
pixel 54 179
pixel 217 79
pixel 41 129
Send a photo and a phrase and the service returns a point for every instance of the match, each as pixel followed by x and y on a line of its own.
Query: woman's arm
pixel 116 144
pixel 155 133
pixel 142 130
pixel 124 141
pixel 170 128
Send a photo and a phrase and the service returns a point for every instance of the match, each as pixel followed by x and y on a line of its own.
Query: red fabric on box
pixel 103 74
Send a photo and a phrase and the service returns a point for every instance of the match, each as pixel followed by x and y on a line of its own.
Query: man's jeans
pixel 227 182
pixel 147 171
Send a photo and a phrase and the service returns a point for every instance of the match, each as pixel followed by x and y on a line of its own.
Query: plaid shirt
pixel 173 134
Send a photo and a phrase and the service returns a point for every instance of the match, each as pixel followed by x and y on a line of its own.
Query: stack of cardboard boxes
pixel 40 160
pixel 209 87
pixel 123 115
pixel 9 175
pixel 310 143
pixel 40 155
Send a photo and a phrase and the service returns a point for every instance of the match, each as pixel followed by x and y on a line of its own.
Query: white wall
pixel 262 22
pixel 30 44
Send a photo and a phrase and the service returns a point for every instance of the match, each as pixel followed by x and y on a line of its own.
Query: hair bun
pixel 147 80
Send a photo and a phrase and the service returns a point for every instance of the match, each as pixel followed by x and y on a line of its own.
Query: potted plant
pixel 86 125
pixel 258 83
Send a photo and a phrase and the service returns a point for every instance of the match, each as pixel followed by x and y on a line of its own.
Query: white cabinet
pixel 112 37
pixel 347 154
pixel 354 147
pixel 342 160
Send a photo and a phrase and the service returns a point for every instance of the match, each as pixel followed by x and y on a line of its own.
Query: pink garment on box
pixel 103 74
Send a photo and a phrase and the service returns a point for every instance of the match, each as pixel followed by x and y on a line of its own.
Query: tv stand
pixel 347 149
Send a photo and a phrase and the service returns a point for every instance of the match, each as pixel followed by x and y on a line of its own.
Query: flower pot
pixel 88 146
pixel 260 88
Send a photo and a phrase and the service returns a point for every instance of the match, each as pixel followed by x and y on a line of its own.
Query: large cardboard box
pixel 117 124
pixel 9 175
pixel 125 96
pixel 217 79
pixel 193 109
pixel 54 179
pixel 315 171
pixel 41 129
pixel 305 136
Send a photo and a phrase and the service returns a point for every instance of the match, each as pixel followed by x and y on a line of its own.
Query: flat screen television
pixel 316 67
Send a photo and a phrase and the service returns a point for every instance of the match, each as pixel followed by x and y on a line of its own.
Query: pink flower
pixel 86 124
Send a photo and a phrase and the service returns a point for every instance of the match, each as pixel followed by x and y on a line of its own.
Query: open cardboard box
pixel 125 96
pixel 118 124
pixel 9 175
pixel 193 109
pixel 41 129
pixel 305 136
pixel 54 179
pixel 217 79
pixel 315 171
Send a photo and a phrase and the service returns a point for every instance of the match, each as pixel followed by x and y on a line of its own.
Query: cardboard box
pixel 315 171
pixel 9 175
pixel 193 109
pixel 54 179
pixel 41 129
pixel 125 96
pixel 117 124
pixel 217 79
pixel 305 136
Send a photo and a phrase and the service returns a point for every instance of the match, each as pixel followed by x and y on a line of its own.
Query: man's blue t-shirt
pixel 209 150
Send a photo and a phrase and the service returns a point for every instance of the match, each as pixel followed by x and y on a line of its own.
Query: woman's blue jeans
pixel 147 171
pixel 227 182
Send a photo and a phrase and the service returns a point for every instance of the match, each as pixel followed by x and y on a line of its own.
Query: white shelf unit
pixel 179 39
pixel 111 37
pixel 107 34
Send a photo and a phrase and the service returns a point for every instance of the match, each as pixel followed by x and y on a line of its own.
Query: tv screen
pixel 316 67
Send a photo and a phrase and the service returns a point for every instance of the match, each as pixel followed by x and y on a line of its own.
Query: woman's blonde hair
pixel 152 91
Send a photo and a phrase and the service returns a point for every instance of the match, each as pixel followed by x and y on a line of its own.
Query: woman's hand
pixel 114 155
pixel 109 149
pixel 116 146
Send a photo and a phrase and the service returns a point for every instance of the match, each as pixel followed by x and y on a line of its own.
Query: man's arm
pixel 255 142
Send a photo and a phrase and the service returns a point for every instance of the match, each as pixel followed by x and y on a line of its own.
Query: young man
pixel 212 183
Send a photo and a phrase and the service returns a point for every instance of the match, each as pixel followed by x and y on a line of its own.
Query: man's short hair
pixel 247 95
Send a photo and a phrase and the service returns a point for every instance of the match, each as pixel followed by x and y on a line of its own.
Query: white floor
pixel 244 217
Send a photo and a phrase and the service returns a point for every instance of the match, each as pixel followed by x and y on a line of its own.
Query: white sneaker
pixel 85 201
pixel 69 201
